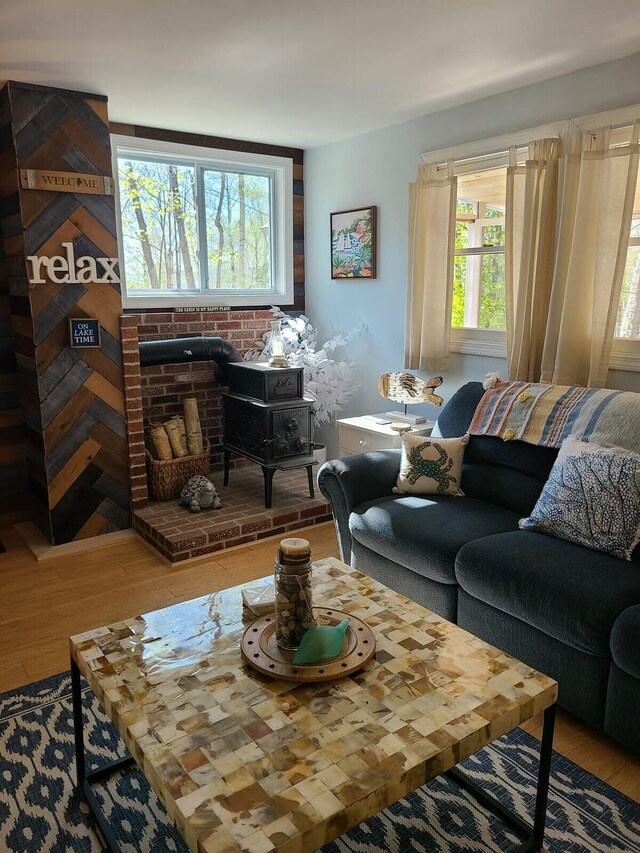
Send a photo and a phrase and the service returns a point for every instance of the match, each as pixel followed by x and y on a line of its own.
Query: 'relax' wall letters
pixel 69 270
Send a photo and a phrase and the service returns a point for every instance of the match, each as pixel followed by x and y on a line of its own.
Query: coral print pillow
pixel 592 498
pixel 430 466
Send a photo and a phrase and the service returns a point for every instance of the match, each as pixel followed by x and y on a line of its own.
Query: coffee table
pixel 246 764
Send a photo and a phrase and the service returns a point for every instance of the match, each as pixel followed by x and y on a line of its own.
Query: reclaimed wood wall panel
pixel 72 400
pixel 14 475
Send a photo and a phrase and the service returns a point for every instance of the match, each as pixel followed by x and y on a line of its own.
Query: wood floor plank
pixel 13 675
pixel 602 762
pixel 627 779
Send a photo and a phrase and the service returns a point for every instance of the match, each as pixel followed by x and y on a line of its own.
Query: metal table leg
pixel 84 779
pixel 268 485
pixel 533 837
pixel 227 458
pixel 310 479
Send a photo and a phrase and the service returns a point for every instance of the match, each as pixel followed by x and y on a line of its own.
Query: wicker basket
pixel 168 477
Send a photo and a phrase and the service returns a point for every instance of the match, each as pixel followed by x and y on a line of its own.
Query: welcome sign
pixel 65 182
pixel 67 269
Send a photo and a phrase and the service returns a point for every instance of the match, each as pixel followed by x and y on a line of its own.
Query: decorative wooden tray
pixel 260 650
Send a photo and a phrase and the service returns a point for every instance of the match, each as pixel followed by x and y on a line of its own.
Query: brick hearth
pixel 179 534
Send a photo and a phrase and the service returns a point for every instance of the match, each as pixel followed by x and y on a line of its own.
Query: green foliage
pixel 155 212
pixel 492 292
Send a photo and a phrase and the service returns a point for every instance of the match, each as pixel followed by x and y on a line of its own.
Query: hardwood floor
pixel 43 603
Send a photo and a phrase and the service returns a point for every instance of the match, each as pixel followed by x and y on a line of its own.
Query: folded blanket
pixel 546 414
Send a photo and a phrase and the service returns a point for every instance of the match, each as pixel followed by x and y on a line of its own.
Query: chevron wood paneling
pixel 72 400
pixel 14 478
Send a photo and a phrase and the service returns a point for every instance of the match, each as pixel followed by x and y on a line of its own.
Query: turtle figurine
pixel 200 493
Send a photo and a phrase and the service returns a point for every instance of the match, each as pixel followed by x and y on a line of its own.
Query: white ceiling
pixel 303 72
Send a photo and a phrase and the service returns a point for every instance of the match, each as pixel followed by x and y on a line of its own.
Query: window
pixel 628 324
pixel 198 226
pixel 479 272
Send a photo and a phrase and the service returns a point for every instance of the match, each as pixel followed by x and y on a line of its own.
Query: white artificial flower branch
pixel 330 382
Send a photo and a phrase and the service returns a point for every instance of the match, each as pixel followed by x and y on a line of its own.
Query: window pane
pixel 159 225
pixel 628 325
pixel 459 283
pixel 492 295
pixel 238 219
pixel 478 292
pixel 493 235
pixel 481 197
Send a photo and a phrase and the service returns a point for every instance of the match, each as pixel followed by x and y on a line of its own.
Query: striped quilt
pixel 546 414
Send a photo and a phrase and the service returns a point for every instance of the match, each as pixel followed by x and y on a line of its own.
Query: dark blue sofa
pixel 568 611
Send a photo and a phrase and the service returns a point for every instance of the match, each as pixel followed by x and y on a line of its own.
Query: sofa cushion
pixel 625 641
pixel 508 473
pixel 567 591
pixel 424 534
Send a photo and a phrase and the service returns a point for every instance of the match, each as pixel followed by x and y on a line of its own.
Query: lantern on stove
pixel 276 342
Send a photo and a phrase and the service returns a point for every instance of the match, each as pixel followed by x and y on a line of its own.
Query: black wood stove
pixel 268 419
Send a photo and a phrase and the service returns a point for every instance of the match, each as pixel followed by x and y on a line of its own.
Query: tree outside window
pixel 186 227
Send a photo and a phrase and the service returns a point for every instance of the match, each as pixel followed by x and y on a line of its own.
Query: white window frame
pixel 474 255
pixel 279 169
pixel 472 156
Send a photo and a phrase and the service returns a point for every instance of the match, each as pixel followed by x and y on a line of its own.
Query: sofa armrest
pixel 625 641
pixel 353 480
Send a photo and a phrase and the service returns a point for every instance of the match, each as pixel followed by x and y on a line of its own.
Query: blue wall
pixel 376 168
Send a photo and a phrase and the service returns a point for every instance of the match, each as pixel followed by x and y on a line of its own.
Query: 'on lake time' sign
pixel 84 332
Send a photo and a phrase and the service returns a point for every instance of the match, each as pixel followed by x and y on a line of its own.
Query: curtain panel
pixel 597 187
pixel 432 226
pixel 530 221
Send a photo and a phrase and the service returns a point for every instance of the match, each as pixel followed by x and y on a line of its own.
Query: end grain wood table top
pixel 245 763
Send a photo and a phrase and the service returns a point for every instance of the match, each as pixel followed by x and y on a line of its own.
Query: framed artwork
pixel 353 243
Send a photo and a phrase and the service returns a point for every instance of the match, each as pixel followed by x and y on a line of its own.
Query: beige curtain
pixel 432 225
pixel 596 193
pixel 530 238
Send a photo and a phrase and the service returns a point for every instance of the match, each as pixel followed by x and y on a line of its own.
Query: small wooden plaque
pixel 66 182
pixel 260 650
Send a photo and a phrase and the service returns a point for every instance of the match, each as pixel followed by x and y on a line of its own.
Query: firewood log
pixel 178 444
pixel 183 429
pixel 192 425
pixel 161 444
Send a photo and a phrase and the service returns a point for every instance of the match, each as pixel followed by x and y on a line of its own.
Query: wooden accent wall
pixel 296 155
pixel 14 484
pixel 72 400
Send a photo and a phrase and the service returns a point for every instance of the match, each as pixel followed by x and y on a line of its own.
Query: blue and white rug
pixel 40 811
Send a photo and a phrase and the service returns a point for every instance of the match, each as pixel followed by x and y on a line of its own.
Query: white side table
pixel 357 435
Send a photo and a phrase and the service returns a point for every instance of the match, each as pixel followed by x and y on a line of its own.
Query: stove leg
pixel 227 457
pixel 268 485
pixel 310 479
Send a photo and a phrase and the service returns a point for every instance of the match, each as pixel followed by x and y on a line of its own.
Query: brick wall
pixel 154 394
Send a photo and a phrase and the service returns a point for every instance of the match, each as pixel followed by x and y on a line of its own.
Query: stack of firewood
pixel 180 436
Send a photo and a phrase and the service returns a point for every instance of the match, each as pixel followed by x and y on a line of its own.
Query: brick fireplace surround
pixel 154 394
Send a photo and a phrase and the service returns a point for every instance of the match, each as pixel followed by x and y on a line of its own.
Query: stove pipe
pixel 179 350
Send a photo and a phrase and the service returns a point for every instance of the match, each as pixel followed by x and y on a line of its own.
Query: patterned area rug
pixel 40 811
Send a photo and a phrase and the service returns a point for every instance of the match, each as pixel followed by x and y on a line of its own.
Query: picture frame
pixel 354 243
pixel 84 333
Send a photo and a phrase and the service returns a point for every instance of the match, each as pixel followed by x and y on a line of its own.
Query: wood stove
pixel 268 419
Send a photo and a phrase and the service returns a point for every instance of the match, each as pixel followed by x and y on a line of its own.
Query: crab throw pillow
pixel 430 466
